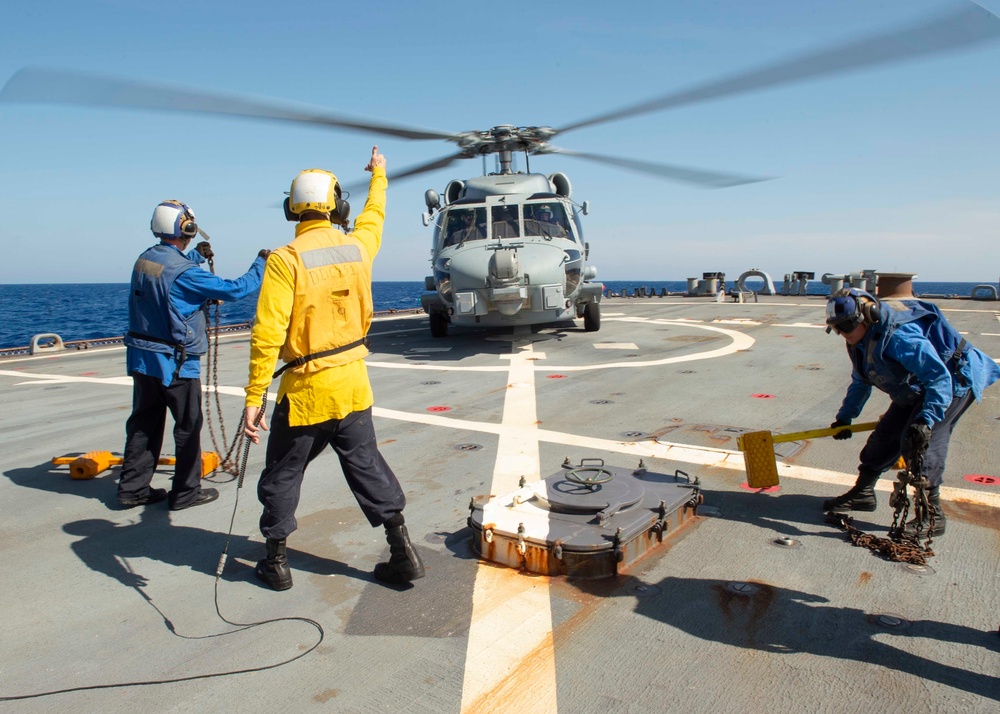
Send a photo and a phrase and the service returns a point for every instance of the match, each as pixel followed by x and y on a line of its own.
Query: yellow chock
pixel 209 462
pixel 758 450
pixel 89 465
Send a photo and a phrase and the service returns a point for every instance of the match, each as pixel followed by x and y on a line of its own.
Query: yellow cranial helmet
pixel 314 190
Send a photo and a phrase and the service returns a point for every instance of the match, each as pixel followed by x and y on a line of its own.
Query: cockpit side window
pixel 464 224
pixel 546 219
pixel 505 222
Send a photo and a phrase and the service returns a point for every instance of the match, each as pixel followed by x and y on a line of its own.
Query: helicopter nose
pixel 506 294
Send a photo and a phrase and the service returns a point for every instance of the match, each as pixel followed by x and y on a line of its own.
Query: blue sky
pixel 895 168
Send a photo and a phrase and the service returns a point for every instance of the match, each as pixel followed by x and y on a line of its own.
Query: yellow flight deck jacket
pixel 316 296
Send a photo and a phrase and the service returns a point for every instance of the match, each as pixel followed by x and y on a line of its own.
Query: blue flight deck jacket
pixel 168 302
pixel 913 353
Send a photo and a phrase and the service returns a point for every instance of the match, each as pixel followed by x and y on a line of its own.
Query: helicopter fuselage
pixel 508 250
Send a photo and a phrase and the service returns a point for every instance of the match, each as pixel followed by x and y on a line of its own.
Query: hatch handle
pixel 589 475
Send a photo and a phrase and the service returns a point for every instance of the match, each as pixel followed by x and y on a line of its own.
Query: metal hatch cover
pixel 586 521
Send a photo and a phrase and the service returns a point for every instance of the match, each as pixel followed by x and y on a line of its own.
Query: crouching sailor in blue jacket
pixel 907 349
pixel 167 335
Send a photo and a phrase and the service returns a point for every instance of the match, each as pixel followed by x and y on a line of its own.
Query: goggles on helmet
pixel 842 314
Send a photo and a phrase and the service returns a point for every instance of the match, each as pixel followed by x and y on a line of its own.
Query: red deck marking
pixel 770 489
pixel 762 396
pixel 982 479
pixel 557 376
pixel 439 409
pixel 87 374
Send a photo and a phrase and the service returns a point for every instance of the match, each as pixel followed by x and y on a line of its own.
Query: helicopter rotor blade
pixel 700 177
pixel 49 86
pixel 411 171
pixel 964 28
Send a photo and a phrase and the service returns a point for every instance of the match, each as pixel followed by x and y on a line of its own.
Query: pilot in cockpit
pixel 462 227
pixel 544 223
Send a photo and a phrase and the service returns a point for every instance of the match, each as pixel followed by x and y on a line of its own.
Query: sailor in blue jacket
pixel 907 349
pixel 168 334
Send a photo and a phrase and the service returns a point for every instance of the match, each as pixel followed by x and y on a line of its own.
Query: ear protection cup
pixel 870 311
pixel 189 229
pixel 341 212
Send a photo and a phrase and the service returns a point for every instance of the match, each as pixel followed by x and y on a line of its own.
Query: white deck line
pixel 508 627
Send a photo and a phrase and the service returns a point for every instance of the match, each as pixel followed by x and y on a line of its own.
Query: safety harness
pixel 299 361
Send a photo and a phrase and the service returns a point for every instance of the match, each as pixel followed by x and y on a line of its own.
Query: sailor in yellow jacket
pixel 314 311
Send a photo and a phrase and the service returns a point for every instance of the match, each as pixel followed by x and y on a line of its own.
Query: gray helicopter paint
pixel 510 279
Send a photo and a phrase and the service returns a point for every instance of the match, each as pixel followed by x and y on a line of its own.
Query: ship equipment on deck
pixel 588 520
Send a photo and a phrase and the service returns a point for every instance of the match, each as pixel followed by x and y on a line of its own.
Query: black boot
pixel 861 497
pixel 274 569
pixel 404 563
pixel 913 528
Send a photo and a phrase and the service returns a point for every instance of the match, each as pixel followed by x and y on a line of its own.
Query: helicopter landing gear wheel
pixel 439 324
pixel 592 317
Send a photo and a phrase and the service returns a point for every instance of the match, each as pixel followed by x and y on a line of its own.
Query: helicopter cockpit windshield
pixel 546 219
pixel 506 223
pixel 465 224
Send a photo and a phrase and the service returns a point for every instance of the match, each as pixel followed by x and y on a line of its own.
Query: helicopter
pixel 508 249
pixel 508 246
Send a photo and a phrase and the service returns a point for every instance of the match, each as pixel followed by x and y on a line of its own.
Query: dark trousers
pixel 144 437
pixel 884 446
pixel 291 448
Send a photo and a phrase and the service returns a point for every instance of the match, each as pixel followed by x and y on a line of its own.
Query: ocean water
pixel 87 311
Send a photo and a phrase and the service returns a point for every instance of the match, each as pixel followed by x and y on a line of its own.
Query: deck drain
pixel 688 371
pixel 915 569
pixel 742 588
pixel 891 621
pixel 786 542
pixel 644 590
pixel 601 401
pixel 431 382
pixel 468 447
pixel 634 434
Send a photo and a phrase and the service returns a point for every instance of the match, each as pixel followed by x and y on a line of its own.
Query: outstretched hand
pixel 376 160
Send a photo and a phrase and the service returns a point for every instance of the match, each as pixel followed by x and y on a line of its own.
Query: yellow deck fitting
pixel 89 465
pixel 758 450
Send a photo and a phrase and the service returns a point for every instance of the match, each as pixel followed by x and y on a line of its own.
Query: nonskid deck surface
pixel 724 619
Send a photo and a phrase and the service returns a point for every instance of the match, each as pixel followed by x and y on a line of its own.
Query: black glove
pixel 846 433
pixel 916 438
pixel 264 253
pixel 205 250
